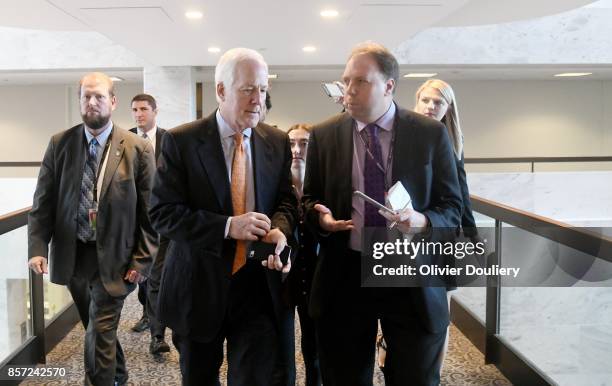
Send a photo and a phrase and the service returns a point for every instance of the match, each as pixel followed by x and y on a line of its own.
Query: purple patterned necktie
pixel 373 178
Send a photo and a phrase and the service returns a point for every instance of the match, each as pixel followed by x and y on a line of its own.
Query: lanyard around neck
pixel 386 169
pixel 99 168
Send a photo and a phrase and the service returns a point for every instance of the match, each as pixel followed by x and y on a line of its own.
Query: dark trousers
pixel 142 295
pixel 309 346
pixel 346 335
pixel 158 329
pixel 100 313
pixel 284 372
pixel 251 333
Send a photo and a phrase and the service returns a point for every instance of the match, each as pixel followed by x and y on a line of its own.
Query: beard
pixel 95 121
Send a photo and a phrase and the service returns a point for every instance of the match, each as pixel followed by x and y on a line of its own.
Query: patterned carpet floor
pixel 464 364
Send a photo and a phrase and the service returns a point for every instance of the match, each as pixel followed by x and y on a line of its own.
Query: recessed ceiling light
pixel 214 50
pixel 329 13
pixel 193 15
pixel 116 79
pixel 309 49
pixel 420 75
pixel 272 76
pixel 570 74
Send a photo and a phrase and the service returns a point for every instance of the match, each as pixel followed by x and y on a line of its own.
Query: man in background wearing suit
pixel 222 182
pixel 91 203
pixel 368 148
pixel 144 112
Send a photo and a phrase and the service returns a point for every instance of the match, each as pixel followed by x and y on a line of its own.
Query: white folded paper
pixel 398 197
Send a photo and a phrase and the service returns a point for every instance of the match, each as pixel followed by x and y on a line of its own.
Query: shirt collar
pixel 225 131
pixel 102 137
pixel 385 122
pixel 151 133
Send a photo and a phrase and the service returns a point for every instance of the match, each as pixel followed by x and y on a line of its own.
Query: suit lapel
pixel 211 156
pixel 158 136
pixel 115 153
pixel 261 154
pixel 75 160
pixel 344 160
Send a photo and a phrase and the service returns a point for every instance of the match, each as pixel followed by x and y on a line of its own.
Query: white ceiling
pixel 158 31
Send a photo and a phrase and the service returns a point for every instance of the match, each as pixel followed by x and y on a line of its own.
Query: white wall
pixel 499 118
pixel 29 115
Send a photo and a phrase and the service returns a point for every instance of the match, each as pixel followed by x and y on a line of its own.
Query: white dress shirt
pixel 227 142
pixel 151 135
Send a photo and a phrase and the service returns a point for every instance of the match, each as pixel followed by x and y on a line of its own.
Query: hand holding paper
pixel 408 220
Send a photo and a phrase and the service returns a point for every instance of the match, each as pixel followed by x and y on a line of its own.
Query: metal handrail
pixel 575 237
pixel 20 164
pixel 470 160
pixel 14 220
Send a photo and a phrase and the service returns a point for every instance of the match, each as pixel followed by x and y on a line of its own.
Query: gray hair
pixel 226 66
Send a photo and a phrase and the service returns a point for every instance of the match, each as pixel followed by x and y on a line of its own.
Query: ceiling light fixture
pixel 573 74
pixel 309 49
pixel 420 75
pixel 214 50
pixel 116 79
pixel 272 76
pixel 329 13
pixel 193 15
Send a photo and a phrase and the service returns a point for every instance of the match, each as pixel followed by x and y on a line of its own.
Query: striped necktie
pixel 86 199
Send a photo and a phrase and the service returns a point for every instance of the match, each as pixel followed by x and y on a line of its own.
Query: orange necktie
pixel 239 196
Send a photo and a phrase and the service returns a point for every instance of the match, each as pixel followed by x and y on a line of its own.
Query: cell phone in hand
pixel 332 90
pixel 373 201
pixel 260 251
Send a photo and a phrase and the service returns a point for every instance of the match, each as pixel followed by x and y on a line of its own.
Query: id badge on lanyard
pixel 93 211
pixel 93 215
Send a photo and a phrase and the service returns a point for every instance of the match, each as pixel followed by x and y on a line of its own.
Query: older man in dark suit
pixel 144 112
pixel 369 148
pixel 221 182
pixel 91 203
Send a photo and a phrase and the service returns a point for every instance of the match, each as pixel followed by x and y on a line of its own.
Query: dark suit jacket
pixel 422 160
pixel 125 237
pixel 190 205
pixel 158 140
pixel 467 217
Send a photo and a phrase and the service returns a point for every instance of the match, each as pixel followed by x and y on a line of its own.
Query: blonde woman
pixel 436 99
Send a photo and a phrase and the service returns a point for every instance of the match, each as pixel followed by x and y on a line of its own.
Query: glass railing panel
pixel 16 193
pixel 15 323
pixel 57 297
pixel 562 325
pixel 474 298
